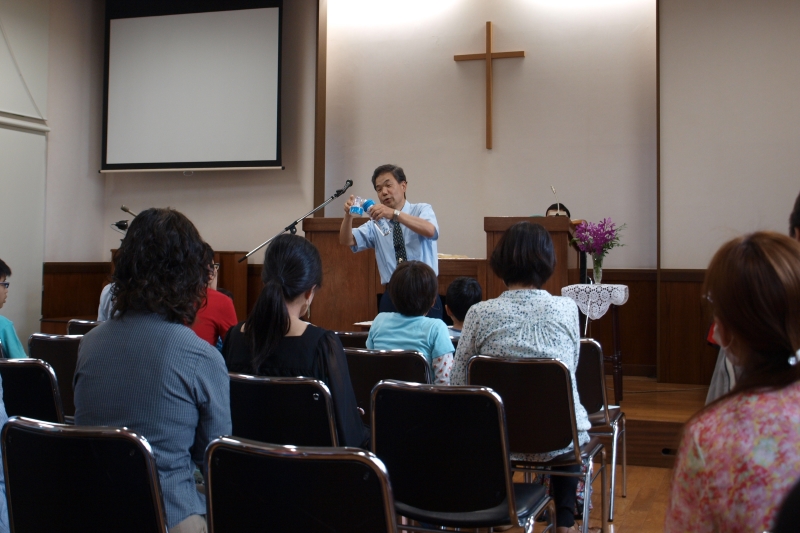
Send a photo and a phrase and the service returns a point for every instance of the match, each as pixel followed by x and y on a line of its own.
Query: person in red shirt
pixel 217 314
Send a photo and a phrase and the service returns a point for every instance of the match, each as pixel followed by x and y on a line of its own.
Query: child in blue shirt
pixel 413 290
pixel 9 341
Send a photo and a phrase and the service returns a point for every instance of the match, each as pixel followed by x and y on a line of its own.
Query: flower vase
pixel 597 268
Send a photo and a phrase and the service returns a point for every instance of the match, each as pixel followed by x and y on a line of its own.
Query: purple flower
pixel 597 239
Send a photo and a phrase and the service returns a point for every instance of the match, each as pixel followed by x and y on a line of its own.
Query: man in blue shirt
pixel 413 236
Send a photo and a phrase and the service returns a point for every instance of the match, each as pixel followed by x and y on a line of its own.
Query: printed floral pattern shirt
pixel 524 323
pixel 737 461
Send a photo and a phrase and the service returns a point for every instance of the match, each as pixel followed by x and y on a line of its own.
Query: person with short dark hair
pixel 526 321
pixel 462 294
pixel 739 457
pixel 413 236
pixel 557 210
pixel 794 220
pixel 276 341
pixel 413 288
pixel 9 341
pixel 145 370
pixel 216 314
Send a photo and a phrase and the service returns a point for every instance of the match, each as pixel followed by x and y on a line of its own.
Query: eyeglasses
pixel 4 284
pixel 216 266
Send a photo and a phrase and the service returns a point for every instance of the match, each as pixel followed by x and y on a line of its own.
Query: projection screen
pixel 192 90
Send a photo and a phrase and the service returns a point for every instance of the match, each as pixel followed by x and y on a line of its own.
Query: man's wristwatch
pixel 396 215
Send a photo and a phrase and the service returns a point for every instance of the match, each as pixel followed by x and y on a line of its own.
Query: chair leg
pixel 603 493
pixel 587 495
pixel 614 440
pixel 624 459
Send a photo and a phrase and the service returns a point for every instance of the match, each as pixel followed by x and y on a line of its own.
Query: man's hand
pixel 379 211
pixel 348 204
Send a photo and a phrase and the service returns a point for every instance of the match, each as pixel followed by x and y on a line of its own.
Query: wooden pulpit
pixel 567 269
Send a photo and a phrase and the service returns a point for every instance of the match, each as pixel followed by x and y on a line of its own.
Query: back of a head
pixel 753 287
pixel 462 294
pixel 292 266
pixel 524 255
pixel 160 267
pixel 413 288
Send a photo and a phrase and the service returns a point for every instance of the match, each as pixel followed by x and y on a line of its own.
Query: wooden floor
pixel 646 399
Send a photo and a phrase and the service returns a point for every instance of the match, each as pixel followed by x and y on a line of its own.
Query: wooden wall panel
pixel 73 289
pixel 685 355
pixel 637 321
pixel 233 277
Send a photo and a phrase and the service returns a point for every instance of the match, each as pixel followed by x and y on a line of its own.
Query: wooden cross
pixel 488 56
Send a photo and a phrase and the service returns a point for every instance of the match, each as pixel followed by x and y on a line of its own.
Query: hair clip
pixel 794 357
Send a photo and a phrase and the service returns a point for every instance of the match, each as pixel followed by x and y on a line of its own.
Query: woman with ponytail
pixel 276 341
pixel 740 456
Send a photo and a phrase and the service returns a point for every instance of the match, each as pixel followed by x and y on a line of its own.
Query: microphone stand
pixel 292 228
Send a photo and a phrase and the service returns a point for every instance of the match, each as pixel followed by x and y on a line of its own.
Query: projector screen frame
pixel 119 9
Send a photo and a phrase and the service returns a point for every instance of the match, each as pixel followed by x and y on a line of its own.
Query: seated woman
pixel 739 456
pixel 414 289
pixel 275 341
pixel 526 321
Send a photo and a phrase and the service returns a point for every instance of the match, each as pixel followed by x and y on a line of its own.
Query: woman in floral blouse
pixel 740 456
pixel 526 321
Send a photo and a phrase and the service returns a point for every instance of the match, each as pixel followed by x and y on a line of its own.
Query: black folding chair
pixel 353 339
pixel 2 352
pixel 30 389
pixel 446 449
pixel 368 367
pixel 540 412
pixel 256 487
pixel 81 327
pixel 61 351
pixel 607 421
pixel 90 479
pixel 297 411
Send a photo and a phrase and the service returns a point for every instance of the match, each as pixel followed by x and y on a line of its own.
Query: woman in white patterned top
pixel 526 321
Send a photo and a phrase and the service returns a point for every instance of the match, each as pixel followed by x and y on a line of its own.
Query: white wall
pixel 238 210
pixel 577 112
pixel 730 122
pixel 23 88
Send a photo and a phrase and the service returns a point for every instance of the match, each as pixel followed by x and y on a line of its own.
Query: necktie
pixel 399 243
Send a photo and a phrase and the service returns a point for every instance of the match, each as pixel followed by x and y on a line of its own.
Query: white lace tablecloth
pixel 594 300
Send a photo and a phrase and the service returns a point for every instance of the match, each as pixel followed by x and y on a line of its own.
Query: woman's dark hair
pixel 753 288
pixel 558 207
pixel 394 170
pixel 292 266
pixel 5 270
pixel 462 294
pixel 160 267
pixel 794 218
pixel 413 288
pixel 524 255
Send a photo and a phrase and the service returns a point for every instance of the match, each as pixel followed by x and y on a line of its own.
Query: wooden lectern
pixel 567 269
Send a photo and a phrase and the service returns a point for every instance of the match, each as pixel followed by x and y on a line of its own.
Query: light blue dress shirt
pixel 418 248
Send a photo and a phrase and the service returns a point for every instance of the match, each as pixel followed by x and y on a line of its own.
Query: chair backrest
pixel 81 327
pixel 61 351
pixel 30 389
pixel 445 446
pixel 368 367
pixel 537 395
pixel 255 487
pixel 353 339
pixel 296 411
pixel 590 376
pixel 71 478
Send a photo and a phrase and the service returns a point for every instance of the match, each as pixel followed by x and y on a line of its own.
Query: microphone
pixel 122 225
pixel 347 185
pixel 558 205
pixel 125 208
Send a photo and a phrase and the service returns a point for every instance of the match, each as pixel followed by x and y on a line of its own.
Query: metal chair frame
pixel 615 421
pixel 46 369
pixel 318 388
pixel 530 468
pixel 545 504
pixel 297 454
pixel 350 353
pixel 60 431
pixel 79 327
